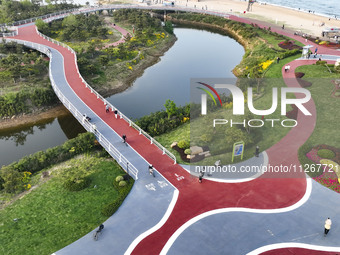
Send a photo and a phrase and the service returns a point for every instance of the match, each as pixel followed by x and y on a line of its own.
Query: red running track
pixel 266 192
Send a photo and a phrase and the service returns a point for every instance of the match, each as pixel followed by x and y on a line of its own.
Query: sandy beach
pixel 308 23
pixel 293 19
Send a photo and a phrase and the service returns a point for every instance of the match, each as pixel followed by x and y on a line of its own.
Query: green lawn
pixel 327 107
pixel 327 122
pixel 50 217
pixel 264 137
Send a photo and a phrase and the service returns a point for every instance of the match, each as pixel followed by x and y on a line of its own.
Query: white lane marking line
pixel 156 227
pixel 293 245
pixel 180 230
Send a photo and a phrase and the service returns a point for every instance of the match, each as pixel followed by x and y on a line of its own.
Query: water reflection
pixel 19 138
pixel 16 144
pixel 196 54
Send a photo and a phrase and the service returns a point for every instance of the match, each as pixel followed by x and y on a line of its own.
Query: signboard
pixel 238 149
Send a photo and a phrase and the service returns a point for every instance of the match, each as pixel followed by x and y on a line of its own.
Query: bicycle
pixel 98 232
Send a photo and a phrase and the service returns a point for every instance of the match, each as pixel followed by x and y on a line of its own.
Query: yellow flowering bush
pixel 185 119
pixel 149 42
pixel 266 64
pixel 26 179
pixel 128 65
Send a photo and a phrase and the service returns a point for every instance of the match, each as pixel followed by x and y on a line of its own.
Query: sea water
pixel 329 8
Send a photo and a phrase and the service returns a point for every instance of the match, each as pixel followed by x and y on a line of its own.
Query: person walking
pixel 200 177
pixel 124 138
pixel 94 127
pixel 257 151
pixel 107 108
pixel 151 170
pixel 328 224
pixel 116 113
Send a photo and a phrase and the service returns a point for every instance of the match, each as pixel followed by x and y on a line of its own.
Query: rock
pixel 13 117
pixel 173 144
pixel 205 154
pixel 196 150
pixel 190 156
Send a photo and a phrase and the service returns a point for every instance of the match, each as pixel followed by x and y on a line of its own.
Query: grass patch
pixel 200 131
pixel 50 217
pixel 326 130
pixel 180 133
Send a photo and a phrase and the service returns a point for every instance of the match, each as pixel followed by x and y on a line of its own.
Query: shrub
pixel 119 178
pixel 77 185
pixel 305 161
pixel 187 151
pixel 12 180
pixel 111 208
pixel 126 177
pixel 123 191
pixel 183 144
pixel 42 159
pixel 122 183
pixel 326 153
pixel 321 62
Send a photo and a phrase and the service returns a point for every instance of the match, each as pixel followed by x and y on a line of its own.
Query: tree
pixel 170 107
pixel 234 134
pixel 12 180
pixel 42 26
pixel 103 60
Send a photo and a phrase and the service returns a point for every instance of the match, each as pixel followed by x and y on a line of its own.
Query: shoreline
pixel 42 115
pixel 332 16
pixel 293 19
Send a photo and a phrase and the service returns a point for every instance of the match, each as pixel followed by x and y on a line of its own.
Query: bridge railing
pixel 113 108
pixel 13 31
pixel 122 116
pixel 21 22
pixel 111 149
pixel 61 14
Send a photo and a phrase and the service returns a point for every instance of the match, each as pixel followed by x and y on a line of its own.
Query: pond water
pixel 196 54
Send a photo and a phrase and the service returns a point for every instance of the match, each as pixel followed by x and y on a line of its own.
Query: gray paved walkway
pixel 221 233
pixel 322 56
pixel 147 202
pixel 302 225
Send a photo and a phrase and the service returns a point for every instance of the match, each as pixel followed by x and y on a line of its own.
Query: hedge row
pixel 123 191
pixel 10 175
pixel 21 102
pixel 159 123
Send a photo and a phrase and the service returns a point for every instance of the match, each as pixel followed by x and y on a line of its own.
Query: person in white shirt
pixel 328 224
